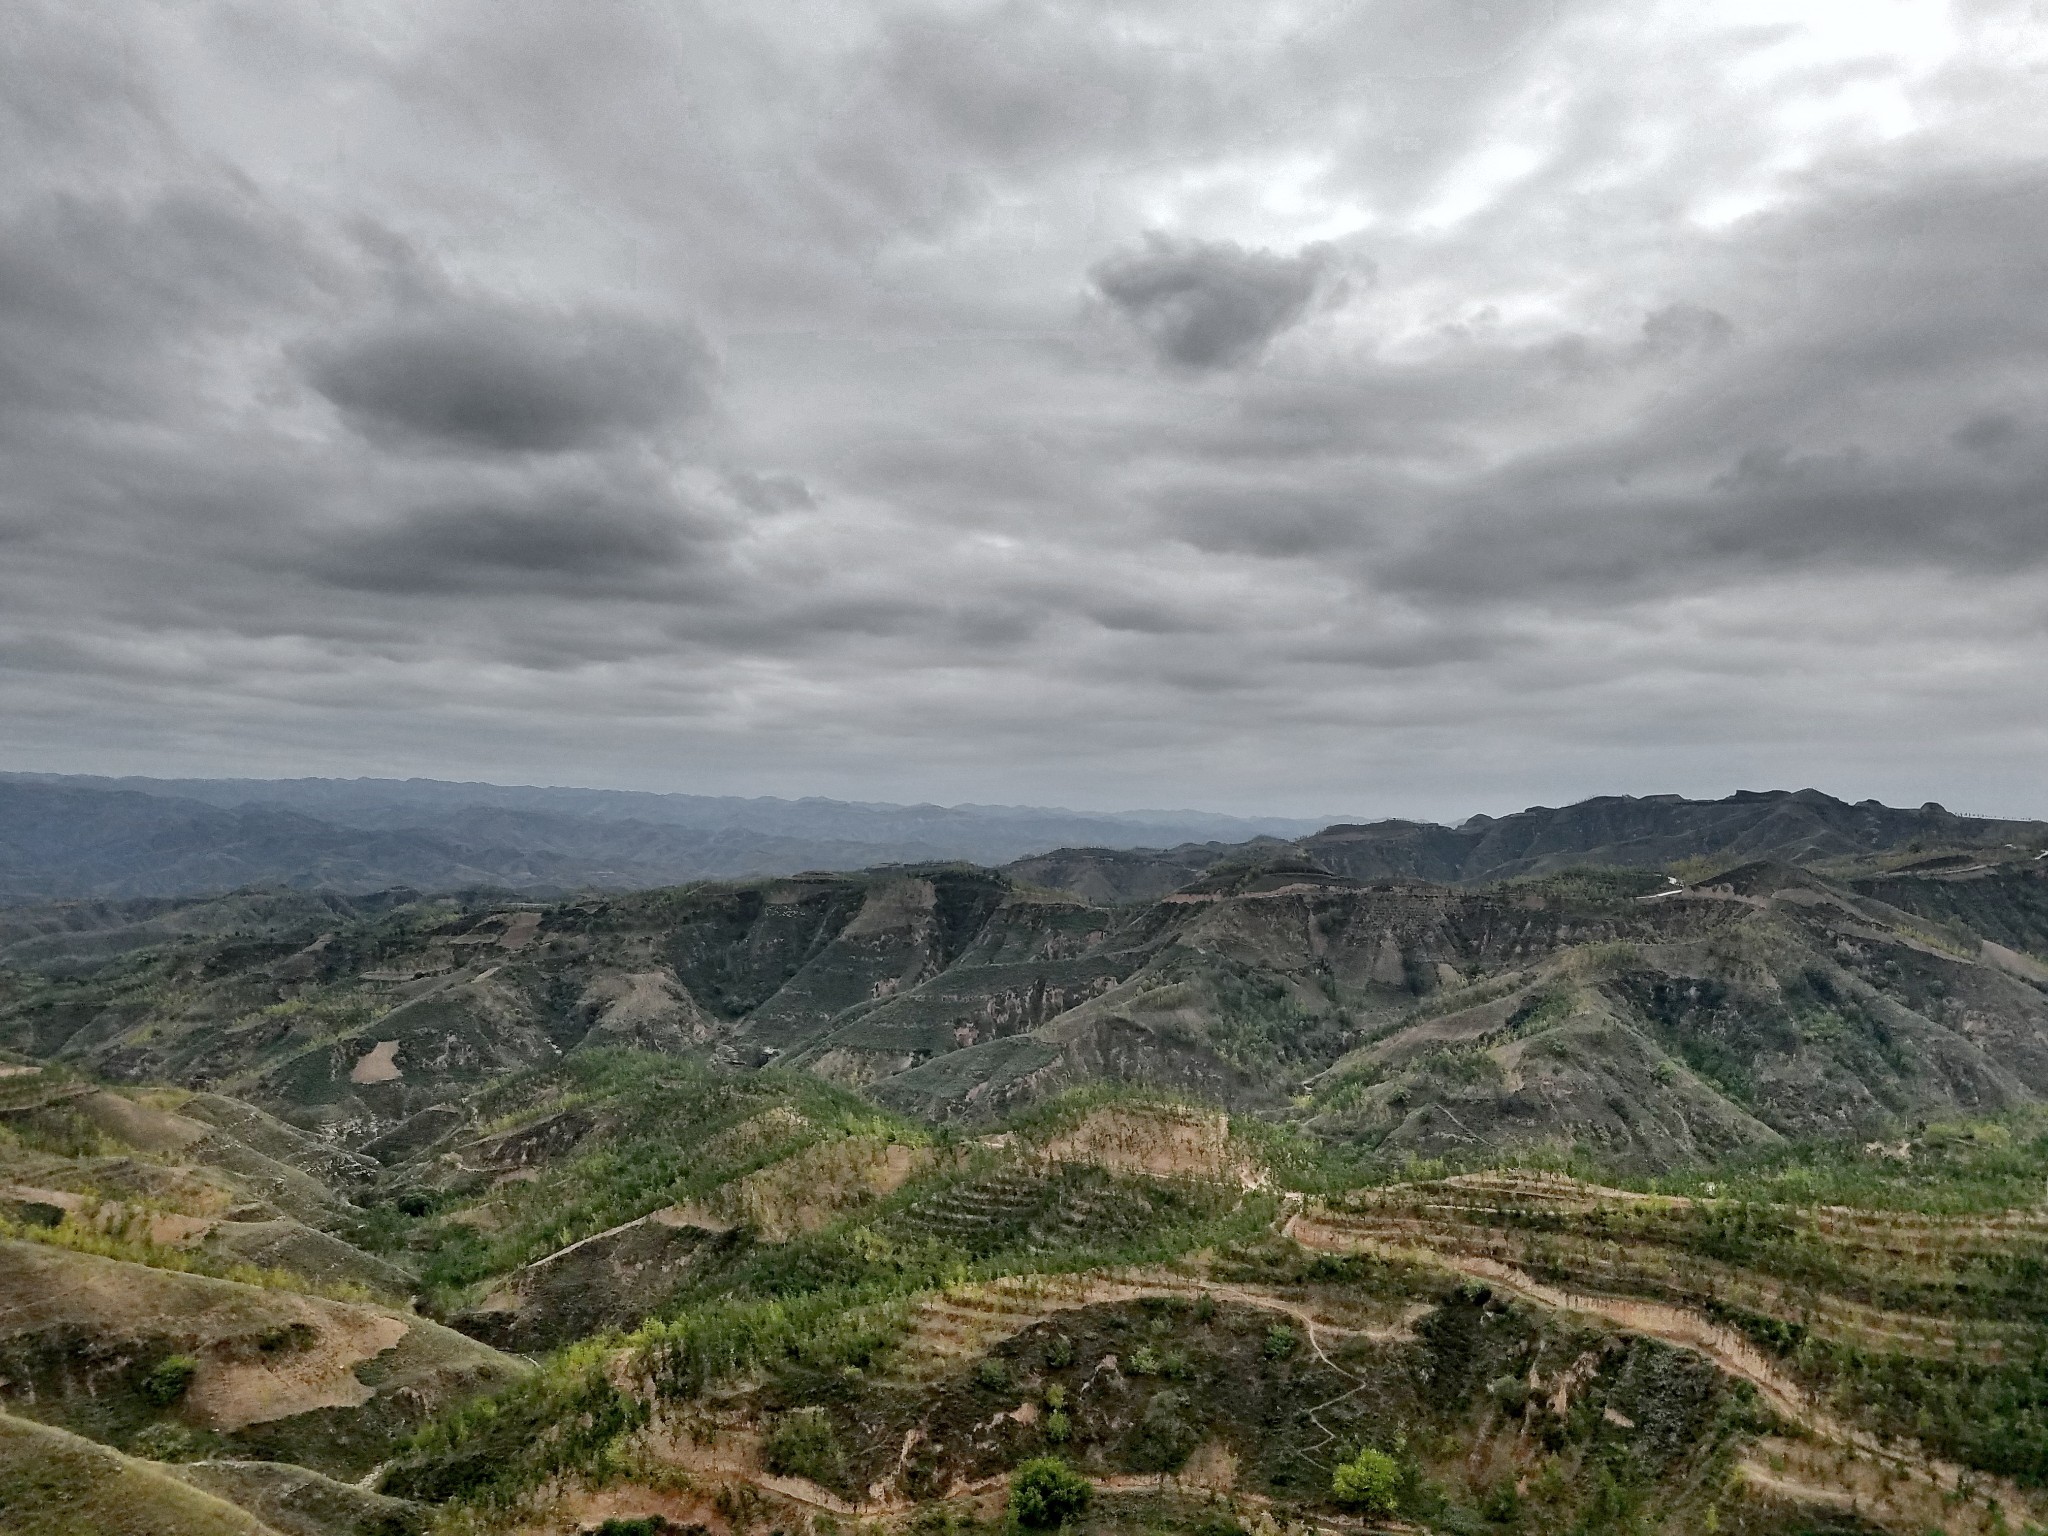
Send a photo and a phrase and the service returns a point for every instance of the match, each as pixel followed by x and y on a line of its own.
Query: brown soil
pixel 380 1065
pixel 520 928
pixel 236 1393
pixel 810 1189
pixel 1160 1142
pixel 141 1125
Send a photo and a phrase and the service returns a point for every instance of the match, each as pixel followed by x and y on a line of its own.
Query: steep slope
pixel 1643 1022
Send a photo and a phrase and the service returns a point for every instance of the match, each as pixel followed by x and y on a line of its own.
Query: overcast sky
pixel 1418 407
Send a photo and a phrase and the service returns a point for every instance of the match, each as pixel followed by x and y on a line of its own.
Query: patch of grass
pixel 821 1334
pixel 74 1237
pixel 56 1484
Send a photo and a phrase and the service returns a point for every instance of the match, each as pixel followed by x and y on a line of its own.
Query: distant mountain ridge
pixel 65 836
pixel 389 803
pixel 1800 827
pixel 77 837
pixel 1624 831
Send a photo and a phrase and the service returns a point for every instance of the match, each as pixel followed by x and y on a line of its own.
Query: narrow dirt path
pixel 1400 1332
pixel 1760 1476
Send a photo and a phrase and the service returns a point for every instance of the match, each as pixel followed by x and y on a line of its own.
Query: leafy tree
pixel 1045 1493
pixel 1370 1481
pixel 167 1380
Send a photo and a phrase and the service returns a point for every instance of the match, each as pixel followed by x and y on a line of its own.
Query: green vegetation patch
pixel 1046 1494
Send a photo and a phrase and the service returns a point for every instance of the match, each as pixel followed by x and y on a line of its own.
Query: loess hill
pixel 1698 1187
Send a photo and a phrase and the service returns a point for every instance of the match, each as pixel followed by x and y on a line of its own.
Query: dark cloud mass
pixel 1387 407
pixel 1210 304
pixel 497 378
pixel 567 546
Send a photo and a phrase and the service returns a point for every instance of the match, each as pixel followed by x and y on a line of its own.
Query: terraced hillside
pixel 1533 1352
pixel 771 1305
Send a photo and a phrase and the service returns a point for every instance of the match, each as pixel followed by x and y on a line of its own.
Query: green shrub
pixel 164 1441
pixel 993 1374
pixel 1369 1482
pixel 802 1445
pixel 1058 1426
pixel 166 1381
pixel 1044 1493
pixel 1280 1341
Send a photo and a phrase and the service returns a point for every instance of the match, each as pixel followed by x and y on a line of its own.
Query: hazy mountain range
pixel 80 835
pixel 77 836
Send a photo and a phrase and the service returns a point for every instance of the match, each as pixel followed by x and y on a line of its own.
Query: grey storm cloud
pixel 1210 304
pixel 102 298
pixel 498 378
pixel 698 398
pixel 569 545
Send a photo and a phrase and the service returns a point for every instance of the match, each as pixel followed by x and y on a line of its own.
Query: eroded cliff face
pixel 1646 1021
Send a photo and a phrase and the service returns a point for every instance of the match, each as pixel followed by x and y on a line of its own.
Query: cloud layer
pixel 1393 407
